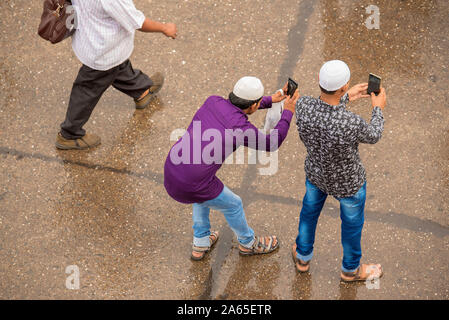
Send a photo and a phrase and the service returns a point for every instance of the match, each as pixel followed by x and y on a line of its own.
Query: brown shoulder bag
pixel 57 21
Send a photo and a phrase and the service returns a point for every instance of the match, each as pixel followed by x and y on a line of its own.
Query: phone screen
pixel 292 86
pixel 373 84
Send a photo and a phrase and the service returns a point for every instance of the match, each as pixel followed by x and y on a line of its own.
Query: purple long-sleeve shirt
pixel 217 129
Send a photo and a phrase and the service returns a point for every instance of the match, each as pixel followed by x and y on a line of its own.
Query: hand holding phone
pixel 358 91
pixel 379 100
pixel 292 86
pixel 374 84
pixel 290 102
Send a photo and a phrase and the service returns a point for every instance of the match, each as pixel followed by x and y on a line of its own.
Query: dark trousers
pixel 88 88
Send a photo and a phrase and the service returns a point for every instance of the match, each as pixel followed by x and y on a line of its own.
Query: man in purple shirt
pixel 217 129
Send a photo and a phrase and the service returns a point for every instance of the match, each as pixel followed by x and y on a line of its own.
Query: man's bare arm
pixel 169 29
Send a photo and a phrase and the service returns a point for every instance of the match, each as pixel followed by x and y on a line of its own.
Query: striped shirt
pixel 105 32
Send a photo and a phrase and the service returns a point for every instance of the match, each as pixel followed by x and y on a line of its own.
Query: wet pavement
pixel 107 212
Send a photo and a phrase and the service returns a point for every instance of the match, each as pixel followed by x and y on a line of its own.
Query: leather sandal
pixel 301 266
pixel 261 245
pixel 213 238
pixel 364 272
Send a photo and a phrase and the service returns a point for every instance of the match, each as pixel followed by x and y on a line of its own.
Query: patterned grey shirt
pixel 332 135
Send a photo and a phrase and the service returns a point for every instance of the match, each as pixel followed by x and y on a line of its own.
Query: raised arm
pixel 268 101
pixel 372 132
pixel 253 138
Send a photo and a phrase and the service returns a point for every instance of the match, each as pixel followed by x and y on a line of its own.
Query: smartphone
pixel 292 86
pixel 374 84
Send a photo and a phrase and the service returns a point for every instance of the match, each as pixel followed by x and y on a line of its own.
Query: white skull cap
pixel 249 88
pixel 334 74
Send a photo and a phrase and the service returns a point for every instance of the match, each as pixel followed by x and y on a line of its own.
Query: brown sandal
pixel 301 266
pixel 260 246
pixel 213 238
pixel 363 273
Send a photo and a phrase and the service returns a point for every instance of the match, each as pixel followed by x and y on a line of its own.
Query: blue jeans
pixel 352 219
pixel 231 206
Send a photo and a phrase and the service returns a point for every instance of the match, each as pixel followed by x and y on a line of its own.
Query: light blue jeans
pixel 231 206
pixel 352 219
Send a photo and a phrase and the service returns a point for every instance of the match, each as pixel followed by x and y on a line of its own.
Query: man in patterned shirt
pixel 103 42
pixel 331 135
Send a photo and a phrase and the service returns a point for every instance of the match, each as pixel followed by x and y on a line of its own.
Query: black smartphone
pixel 374 84
pixel 292 86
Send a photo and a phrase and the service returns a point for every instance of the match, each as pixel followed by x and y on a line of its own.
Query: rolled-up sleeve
pixel 125 13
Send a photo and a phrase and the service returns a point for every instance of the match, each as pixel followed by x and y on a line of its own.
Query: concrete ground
pixel 106 210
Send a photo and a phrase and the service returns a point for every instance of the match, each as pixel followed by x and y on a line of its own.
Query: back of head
pixel 334 75
pixel 247 91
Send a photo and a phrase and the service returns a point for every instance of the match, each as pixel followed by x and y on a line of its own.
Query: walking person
pixel 191 166
pixel 332 135
pixel 104 42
